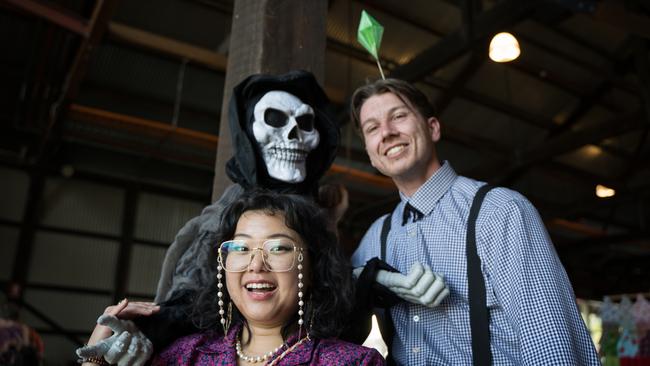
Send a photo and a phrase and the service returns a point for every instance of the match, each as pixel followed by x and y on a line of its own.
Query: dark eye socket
pixel 275 118
pixel 305 122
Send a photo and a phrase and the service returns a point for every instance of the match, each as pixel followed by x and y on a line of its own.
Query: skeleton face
pixel 284 129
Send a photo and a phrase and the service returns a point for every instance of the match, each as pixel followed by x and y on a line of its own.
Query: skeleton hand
pixel 126 347
pixel 419 286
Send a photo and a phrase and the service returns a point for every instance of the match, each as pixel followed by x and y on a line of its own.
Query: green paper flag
pixel 369 35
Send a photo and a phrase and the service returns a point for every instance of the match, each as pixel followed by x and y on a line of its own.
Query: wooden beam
pixel 53 13
pixel 575 227
pixel 154 129
pixel 269 37
pixel 168 46
pixel 182 50
pixel 164 130
pixel 97 26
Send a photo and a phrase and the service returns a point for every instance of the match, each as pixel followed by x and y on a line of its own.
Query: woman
pixel 281 294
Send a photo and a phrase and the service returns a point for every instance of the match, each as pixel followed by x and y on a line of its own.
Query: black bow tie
pixel 411 211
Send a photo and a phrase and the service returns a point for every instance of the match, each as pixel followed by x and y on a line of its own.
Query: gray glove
pixel 126 347
pixel 419 286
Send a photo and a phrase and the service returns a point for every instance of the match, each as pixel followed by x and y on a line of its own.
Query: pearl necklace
pixel 290 349
pixel 255 359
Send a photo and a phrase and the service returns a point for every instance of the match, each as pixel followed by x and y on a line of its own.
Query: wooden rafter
pixel 53 13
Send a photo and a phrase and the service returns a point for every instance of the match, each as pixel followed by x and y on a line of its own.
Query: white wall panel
pixel 82 205
pixel 159 218
pixel 15 184
pixel 144 269
pixel 73 261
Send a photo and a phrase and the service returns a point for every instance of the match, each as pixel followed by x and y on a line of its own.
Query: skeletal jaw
pixel 286 171
pixel 286 154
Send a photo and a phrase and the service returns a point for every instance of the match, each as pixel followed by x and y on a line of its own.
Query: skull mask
pixel 284 129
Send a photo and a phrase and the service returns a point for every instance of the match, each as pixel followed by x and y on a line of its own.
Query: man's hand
pixel 419 286
pixel 127 346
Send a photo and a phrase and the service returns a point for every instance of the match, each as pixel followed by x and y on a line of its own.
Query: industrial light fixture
pixel 504 47
pixel 604 192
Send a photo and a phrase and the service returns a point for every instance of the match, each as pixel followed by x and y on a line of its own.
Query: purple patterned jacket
pixel 211 349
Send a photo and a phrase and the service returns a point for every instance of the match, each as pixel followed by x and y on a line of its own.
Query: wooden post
pixel 271 37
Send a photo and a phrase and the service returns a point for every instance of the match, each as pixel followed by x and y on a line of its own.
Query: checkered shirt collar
pixel 428 195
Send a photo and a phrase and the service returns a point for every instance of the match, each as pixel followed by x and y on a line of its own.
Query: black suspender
pixel 384 318
pixel 384 236
pixel 478 311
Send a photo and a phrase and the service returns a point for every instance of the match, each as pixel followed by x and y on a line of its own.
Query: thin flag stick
pixel 380 70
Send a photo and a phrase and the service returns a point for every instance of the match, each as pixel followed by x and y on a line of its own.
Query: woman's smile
pixel 260 290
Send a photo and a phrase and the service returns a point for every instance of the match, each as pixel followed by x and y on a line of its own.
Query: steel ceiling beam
pixel 502 15
pixel 466 73
pixel 574 140
pixel 559 145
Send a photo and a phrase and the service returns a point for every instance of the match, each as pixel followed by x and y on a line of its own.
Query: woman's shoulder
pixel 333 351
pixel 187 346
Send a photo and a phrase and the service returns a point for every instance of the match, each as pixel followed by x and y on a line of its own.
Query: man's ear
pixel 434 127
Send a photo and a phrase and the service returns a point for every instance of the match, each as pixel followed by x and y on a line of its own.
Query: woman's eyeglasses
pixel 278 255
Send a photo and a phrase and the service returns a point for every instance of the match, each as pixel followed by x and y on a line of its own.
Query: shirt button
pixel 416 349
pixel 412 233
pixel 416 318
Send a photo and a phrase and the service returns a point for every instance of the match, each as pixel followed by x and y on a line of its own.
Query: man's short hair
pixel 407 92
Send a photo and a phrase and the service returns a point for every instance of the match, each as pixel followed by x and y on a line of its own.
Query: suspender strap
pixel 478 311
pixel 385 229
pixel 386 324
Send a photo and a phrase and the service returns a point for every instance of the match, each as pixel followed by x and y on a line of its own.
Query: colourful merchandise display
pixel 19 344
pixel 625 339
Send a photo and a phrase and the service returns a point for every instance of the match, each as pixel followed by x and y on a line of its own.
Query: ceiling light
pixel 504 47
pixel 604 192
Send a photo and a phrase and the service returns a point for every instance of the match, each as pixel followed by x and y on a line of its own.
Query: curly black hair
pixel 329 297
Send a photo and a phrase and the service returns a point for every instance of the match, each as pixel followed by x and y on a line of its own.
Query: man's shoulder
pixel 497 196
pixel 369 245
pixel 374 231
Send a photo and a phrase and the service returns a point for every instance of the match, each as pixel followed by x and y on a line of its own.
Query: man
pixel 533 317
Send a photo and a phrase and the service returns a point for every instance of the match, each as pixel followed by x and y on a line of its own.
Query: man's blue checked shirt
pixel 534 318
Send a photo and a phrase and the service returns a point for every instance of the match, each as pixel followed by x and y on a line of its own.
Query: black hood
pixel 246 167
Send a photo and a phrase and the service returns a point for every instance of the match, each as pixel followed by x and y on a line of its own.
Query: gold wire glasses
pixel 278 255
